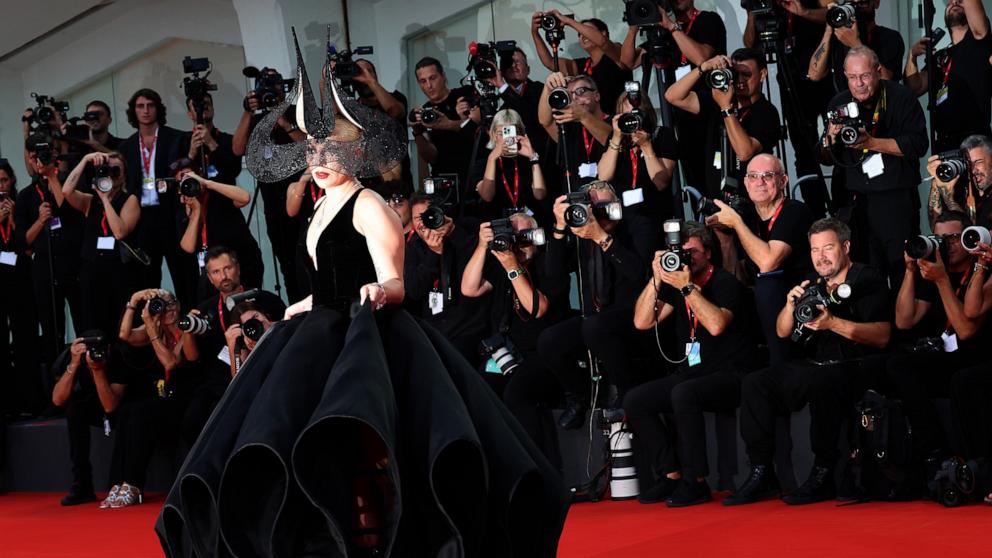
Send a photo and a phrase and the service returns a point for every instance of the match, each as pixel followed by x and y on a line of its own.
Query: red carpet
pixel 35 526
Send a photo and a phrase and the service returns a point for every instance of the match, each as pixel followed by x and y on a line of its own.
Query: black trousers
pixel 678 442
pixel 52 297
pixel 971 402
pixel 802 118
pixel 530 394
pixel 159 241
pixel 81 413
pixel 105 287
pixel 284 234
pixel 785 388
pixel 769 293
pixel 20 366
pixel 880 224
pixel 606 334
pixel 143 424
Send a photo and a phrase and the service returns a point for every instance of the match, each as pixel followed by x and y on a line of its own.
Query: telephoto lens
pixel 924 246
pixel 974 234
pixel 559 98
pixel 952 165
pixel 433 217
pixel 841 16
pixel 193 325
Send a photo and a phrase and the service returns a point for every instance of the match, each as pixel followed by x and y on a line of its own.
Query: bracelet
pixel 614 146
pixel 379 305
pixel 979 266
pixel 153 339
pixel 130 306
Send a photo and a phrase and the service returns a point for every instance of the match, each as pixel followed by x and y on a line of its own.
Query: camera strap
pixel 148 155
pixel 587 70
pixel 688 29
pixel 771 222
pixel 693 320
pixel 220 312
pixel 633 168
pixel 515 193
pixel 203 221
pixel 879 109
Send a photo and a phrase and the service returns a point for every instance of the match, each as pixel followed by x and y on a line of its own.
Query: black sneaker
pixel 761 483
pixel 79 495
pixel 659 492
pixel 574 415
pixel 819 487
pixel 689 493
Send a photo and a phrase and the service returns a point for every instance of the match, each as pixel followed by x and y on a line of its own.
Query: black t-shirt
pixel 968 106
pixel 760 121
pixel 790 226
pixel 900 118
pixel 116 368
pixel 609 78
pixel 214 309
pixel 730 350
pixel 64 232
pixel 583 148
pixel 525 100
pixel 454 149
pixel 226 225
pixel 514 187
pixel 706 28
pixel 223 165
pixel 869 302
pixel 935 321
pixel 657 205
pixel 113 143
pixel 95 227
pixel 887 44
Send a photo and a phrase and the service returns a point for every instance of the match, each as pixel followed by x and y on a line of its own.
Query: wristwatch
pixel 535 159
pixel 727 112
pixel 514 273
pixel 687 290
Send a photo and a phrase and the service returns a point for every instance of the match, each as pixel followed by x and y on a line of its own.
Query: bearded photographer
pixel 931 304
pixel 281 228
pixel 834 337
pixel 216 147
pixel 767 245
pixel 614 256
pixel 585 125
pixel 968 191
pixel 738 111
pixel 111 214
pixel 880 168
pixel 964 96
pixel 432 276
pixel 704 301
pixel 513 178
pixel 830 58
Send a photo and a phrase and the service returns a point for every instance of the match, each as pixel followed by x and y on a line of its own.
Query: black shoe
pixel 761 483
pixel 574 415
pixel 79 495
pixel 819 487
pixel 659 492
pixel 690 493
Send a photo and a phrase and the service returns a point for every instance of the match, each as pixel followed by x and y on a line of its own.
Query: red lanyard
pixel 588 69
pixel 315 193
pixel 688 29
pixel 633 169
pixel 220 312
pixel 947 71
pixel 5 234
pixel 203 223
pixel 523 87
pixel 147 153
pixel 688 308
pixel 409 235
pixel 41 195
pixel 771 222
pixel 103 223
pixel 515 194
pixel 587 140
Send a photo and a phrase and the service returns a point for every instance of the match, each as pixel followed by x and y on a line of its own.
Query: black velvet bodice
pixel 343 261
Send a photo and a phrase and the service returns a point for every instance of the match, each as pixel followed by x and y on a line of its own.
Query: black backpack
pixel 882 464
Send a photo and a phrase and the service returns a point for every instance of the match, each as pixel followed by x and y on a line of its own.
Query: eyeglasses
pixel 860 77
pixel 762 176
pixel 581 91
pixel 951 237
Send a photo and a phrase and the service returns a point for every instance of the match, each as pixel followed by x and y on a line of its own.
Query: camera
pixel 559 98
pixel 44 153
pixel 722 79
pixel 435 185
pixel 581 210
pixel 197 87
pixel 842 15
pixel 189 186
pixel 642 13
pixel 927 346
pixel 675 257
pixel 428 115
pixel 955 482
pixel 253 329
pixel 806 309
pixel 952 165
pixel 47 107
pixel 926 247
pixel 4 196
pixel 433 217
pixel 972 235
pixel 156 306
pixel 505 238
pixel 269 85
pixel 554 29
pixel 194 325
pixel 730 195
pixel 849 117
pixel 633 121
pixel 345 69
pixel 97 347
pixel 482 57
pixel 103 177
pixel 502 351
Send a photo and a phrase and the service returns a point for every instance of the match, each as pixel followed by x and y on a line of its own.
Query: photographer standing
pixel 99 123
pixel 112 214
pixel 372 94
pixel 216 147
pixel 881 168
pixel 741 121
pixel 585 125
pixel 90 388
pixel 614 256
pixel 705 301
pixel 964 96
pixel 513 178
pixel 773 240
pixel 968 192
pixel 837 43
pixel 834 342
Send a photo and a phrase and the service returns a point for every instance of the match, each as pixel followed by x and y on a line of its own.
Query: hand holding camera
pixel 934 270
pixel 6 208
pixel 946 168
pixel 44 212
pixel 725 218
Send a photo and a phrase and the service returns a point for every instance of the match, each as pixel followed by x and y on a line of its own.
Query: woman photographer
pixel 159 393
pixel 513 177
pixel 104 278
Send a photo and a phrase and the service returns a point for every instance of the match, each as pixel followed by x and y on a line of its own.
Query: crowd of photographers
pixel 542 193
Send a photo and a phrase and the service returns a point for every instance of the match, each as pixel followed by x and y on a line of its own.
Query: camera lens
pixel 429 115
pixel 671 262
pixel 46 114
pixel 500 244
pixel 549 22
pixel 104 184
pixel 253 329
pixel 849 135
pixel 189 187
pixel 559 99
pixel 841 16
pixel 576 215
pixel 707 207
pixel 156 306
pixel 432 217
pixel 630 122
pixel 921 246
pixel 720 79
pixel 951 169
pixel 805 313
pixel 972 236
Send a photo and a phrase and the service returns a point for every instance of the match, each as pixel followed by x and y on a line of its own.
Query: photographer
pixel 522 94
pixel 251 321
pixel 705 301
pixel 967 192
pixel 432 276
pixel 111 214
pixel 773 240
pixel 222 164
pixel 834 340
pixel 445 144
pixel 931 303
pixel 90 389
pixel 521 182
pixel 583 121
pixel 99 123
pixel 964 96
pixel 52 232
pixel 640 164
pixel 881 167
pixel 831 56
pixel 158 394
pixel 614 256
pixel 603 64
pixel 213 218
pixel 282 229
pixel 147 155
pixel 739 112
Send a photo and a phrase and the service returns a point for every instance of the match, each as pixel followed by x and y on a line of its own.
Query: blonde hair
pixel 505 117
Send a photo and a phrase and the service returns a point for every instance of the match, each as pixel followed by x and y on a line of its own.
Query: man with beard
pixel 583 120
pixel 964 77
pixel 967 193
pixel 835 341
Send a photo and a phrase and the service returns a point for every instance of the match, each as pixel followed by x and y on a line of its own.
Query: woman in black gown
pixel 348 433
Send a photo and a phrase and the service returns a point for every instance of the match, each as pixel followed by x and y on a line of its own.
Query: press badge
pixel 55 224
pixel 950 342
pixel 105 243
pixel 212 171
pixel 682 71
pixel 692 353
pixel 106 426
pixel 718 160
pixel 588 170
pixel 633 197
pixel 224 356
pixel 942 95
pixel 8 258
pixel 436 302
pixel 873 166
pixel 201 259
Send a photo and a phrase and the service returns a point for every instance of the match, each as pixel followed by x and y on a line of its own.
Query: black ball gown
pixel 360 436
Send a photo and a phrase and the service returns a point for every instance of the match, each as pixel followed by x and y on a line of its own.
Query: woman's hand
pixel 300 307
pixel 524 146
pixel 375 293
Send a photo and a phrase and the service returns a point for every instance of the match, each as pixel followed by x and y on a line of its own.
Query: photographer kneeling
pixel 525 301
pixel 91 389
pixel 705 301
pixel 251 319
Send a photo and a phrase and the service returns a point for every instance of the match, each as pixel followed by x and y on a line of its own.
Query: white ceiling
pixel 25 23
